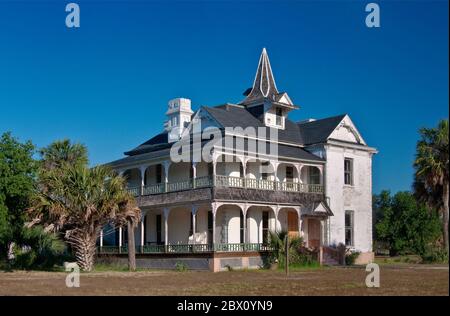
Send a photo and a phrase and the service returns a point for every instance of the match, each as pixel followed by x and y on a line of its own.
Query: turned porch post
pixel 142 169
pixel 244 224
pixel 101 240
pixel 120 239
pixel 194 174
pixel 166 228
pixel 214 173
pixel 213 210
pixel 194 210
pixel 142 234
pixel 166 165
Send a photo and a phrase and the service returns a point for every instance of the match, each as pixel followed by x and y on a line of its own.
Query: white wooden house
pixel 311 179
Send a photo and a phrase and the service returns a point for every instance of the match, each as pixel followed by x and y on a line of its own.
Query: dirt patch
pixel 412 280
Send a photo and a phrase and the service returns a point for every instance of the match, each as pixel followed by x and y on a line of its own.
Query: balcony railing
pixel 229 182
pixel 187 248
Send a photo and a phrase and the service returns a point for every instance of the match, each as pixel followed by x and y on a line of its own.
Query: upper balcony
pixel 283 182
pixel 227 182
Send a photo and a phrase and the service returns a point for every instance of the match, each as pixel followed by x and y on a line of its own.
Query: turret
pixel 178 117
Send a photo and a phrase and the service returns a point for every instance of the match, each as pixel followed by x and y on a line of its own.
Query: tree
pixel 80 201
pixel 432 172
pixel 405 224
pixel 17 182
pixel 62 152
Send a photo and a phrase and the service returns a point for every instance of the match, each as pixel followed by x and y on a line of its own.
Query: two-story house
pixel 215 182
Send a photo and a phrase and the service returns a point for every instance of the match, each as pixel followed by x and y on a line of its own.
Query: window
pixel 279 115
pixel 349 220
pixel 348 171
pixel 191 227
pixel 265 227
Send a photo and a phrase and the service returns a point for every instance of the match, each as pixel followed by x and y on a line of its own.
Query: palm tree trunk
pixel 131 248
pixel 84 249
pixel 445 215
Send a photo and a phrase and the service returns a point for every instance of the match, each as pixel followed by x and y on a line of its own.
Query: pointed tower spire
pixel 264 84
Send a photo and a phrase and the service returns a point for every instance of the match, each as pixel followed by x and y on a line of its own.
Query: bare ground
pixel 395 280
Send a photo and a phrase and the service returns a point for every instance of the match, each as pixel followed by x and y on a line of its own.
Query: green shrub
pixel 404 225
pixel 434 255
pixel 39 250
pixel 350 257
pixel 181 266
pixel 299 255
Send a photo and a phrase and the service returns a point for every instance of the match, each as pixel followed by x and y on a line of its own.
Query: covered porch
pixel 218 227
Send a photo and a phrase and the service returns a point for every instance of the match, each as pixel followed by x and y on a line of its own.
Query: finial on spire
pixel 264 84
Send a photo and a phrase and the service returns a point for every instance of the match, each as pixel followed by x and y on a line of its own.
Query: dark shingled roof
pixel 318 131
pixel 158 142
pixel 229 115
pixel 233 115
pixel 140 157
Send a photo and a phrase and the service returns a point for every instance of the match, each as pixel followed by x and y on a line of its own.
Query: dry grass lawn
pixel 395 280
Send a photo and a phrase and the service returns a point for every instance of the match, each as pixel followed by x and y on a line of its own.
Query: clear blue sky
pixel 107 83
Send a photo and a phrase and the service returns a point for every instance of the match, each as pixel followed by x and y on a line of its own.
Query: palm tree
pixel 432 171
pixel 80 201
pixel 62 152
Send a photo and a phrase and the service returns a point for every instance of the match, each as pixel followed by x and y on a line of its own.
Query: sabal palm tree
pixel 80 201
pixel 62 152
pixel 432 171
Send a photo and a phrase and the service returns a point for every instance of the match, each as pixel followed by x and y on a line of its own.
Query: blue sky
pixel 107 83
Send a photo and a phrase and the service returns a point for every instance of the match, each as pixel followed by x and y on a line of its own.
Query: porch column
pixel 194 210
pixel 166 228
pixel 213 210
pixel 101 239
pixel 300 222
pixel 276 209
pixel 120 239
pixel 166 165
pixel 244 172
pixel 244 216
pixel 214 173
pixel 194 174
pixel 306 232
pixel 142 169
pixel 321 236
pixel 142 234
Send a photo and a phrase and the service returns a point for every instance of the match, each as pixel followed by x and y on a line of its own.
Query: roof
pixel 318 131
pixel 317 209
pixel 235 115
pixel 158 142
pixel 250 113
pixel 264 84
pixel 230 115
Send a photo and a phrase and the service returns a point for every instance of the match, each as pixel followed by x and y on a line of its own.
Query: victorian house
pixel 311 178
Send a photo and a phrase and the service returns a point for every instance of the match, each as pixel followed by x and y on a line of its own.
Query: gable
pixel 206 120
pixel 347 132
pixel 321 209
